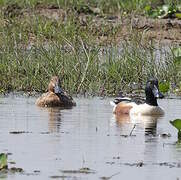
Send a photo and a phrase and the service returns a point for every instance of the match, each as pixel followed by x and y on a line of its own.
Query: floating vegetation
pixel 59 177
pixel 169 164
pixel 139 164
pixel 4 165
pixel 177 124
pixel 12 162
pixel 109 177
pixel 84 170
pixel 19 132
pixel 14 169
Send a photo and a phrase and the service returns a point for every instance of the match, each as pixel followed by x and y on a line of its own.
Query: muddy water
pixel 56 143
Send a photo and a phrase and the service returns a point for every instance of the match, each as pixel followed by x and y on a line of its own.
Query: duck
pixel 55 97
pixel 135 106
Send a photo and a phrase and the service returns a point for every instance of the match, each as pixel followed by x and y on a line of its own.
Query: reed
pixel 83 69
pixel 88 58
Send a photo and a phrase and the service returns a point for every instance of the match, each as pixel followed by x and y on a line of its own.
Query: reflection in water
pixel 54 123
pixel 149 123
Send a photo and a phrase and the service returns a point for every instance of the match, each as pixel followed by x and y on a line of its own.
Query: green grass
pixel 83 68
pixel 33 47
pixel 109 6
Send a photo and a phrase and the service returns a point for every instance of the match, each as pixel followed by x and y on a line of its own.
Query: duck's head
pixel 55 85
pixel 152 92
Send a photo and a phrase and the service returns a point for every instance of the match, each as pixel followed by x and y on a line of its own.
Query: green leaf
pixel 3 161
pixel 148 8
pixel 164 87
pixel 176 123
pixel 178 15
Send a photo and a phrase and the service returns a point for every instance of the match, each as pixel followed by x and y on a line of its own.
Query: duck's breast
pixel 41 100
pixel 48 99
pixel 145 109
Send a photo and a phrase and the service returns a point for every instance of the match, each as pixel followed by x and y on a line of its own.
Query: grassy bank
pixel 109 6
pixel 70 40
pixel 84 68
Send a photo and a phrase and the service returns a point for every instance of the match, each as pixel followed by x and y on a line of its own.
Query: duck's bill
pixel 57 89
pixel 161 96
pixel 157 93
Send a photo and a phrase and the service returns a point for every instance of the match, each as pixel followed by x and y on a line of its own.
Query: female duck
pixel 55 96
pixel 123 105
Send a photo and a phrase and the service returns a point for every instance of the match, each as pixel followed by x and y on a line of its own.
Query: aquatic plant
pixel 4 165
pixel 177 124
pixel 3 161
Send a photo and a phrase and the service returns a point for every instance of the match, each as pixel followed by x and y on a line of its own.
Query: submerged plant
pixel 177 124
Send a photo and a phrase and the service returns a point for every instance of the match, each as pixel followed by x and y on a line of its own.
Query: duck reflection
pixel 148 123
pixel 54 122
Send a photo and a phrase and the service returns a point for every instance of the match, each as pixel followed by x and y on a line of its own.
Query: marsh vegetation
pixel 96 47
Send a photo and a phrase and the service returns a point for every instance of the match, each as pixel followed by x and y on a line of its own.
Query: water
pixel 87 136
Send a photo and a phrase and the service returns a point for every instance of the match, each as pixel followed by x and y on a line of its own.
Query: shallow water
pixel 87 136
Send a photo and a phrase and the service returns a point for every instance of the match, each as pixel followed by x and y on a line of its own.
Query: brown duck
pixel 55 97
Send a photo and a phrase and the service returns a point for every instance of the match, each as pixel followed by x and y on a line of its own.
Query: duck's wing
pixel 66 99
pixel 117 100
pixel 135 99
pixel 138 100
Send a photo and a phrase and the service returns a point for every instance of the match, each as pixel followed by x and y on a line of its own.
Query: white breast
pixel 145 109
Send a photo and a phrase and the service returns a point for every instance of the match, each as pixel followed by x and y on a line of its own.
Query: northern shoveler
pixel 124 105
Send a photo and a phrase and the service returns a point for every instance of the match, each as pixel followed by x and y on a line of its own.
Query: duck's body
pixel 55 97
pixel 146 107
